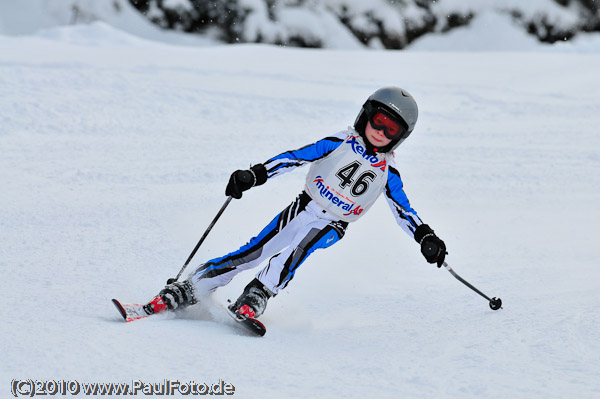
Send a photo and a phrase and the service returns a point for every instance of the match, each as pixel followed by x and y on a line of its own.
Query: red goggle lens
pixel 390 127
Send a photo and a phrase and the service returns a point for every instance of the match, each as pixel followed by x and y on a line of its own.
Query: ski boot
pixel 253 301
pixel 174 296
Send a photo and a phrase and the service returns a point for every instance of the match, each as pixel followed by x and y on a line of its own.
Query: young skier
pixel 349 170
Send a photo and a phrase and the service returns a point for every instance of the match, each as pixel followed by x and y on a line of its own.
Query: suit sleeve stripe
pixel 291 160
pixel 405 215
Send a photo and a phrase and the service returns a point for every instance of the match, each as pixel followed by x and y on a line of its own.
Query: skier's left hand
pixel 432 247
pixel 434 250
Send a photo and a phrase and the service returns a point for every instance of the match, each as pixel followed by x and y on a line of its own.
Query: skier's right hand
pixel 243 180
pixel 240 181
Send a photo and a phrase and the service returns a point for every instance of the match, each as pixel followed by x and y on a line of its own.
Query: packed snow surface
pixel 114 155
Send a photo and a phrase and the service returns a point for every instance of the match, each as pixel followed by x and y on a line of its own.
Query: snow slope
pixel 114 154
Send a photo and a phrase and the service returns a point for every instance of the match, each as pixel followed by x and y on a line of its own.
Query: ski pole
pixel 244 178
pixel 495 303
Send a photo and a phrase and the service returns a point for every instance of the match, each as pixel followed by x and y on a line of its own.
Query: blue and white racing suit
pixel 341 185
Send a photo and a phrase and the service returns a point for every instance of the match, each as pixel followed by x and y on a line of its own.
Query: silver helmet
pixel 396 102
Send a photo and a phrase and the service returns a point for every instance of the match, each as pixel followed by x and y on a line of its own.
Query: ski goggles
pixel 381 120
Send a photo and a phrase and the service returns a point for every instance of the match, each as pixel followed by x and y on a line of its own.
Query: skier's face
pixel 376 137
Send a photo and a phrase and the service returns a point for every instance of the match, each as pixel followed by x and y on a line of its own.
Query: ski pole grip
pixel 430 249
pixel 244 176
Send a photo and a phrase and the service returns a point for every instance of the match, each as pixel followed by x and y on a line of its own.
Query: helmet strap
pixel 361 127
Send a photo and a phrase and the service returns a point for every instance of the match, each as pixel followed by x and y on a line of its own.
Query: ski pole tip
pixel 495 303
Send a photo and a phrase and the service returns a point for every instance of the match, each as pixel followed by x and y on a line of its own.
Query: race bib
pixel 348 181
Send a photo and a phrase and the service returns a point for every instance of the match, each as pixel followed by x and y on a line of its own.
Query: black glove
pixel 243 180
pixel 432 247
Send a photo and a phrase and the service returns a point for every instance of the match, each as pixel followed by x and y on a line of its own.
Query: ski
pixel 131 311
pixel 134 311
pixel 245 323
